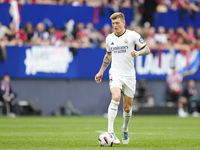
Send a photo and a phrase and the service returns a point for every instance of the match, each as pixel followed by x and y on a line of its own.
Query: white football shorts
pixel 126 84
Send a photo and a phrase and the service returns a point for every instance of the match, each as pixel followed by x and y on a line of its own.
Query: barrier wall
pixel 58 15
pixel 85 95
pixel 5 17
pixel 58 62
pixel 174 19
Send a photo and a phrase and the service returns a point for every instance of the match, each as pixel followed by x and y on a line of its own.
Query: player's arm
pixel 106 61
pixel 142 52
pixel 144 49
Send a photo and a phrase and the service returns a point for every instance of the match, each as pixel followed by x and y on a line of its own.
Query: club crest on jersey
pixel 125 41
pixel 141 41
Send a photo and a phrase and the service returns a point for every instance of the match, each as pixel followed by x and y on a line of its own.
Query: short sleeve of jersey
pixel 107 44
pixel 139 41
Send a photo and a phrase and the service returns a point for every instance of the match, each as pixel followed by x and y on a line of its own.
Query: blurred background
pixel 51 50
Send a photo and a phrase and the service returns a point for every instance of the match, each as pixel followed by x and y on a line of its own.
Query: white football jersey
pixel 121 48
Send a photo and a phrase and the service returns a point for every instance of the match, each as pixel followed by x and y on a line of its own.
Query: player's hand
pixel 135 53
pixel 98 77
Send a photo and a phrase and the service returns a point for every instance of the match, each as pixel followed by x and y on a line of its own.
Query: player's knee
pixel 127 108
pixel 116 98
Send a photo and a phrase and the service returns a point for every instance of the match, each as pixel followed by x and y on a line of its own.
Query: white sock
pixel 127 118
pixel 112 113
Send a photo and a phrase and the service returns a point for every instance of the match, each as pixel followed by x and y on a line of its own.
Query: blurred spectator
pixel 198 44
pixel 106 30
pixel 137 12
pixel 139 30
pixel 76 3
pixel 79 30
pixel 173 5
pixel 81 42
pixel 10 37
pixel 3 30
pixel 70 29
pixel 45 2
pixel 65 41
pixel 183 6
pixel 190 96
pixel 146 29
pixel 60 2
pixel 89 28
pixel 7 95
pixel 115 6
pixel 174 90
pixel 161 38
pixel 29 30
pixel 171 34
pixel 103 6
pixel 180 44
pixel 54 36
pixel 11 33
pixel 190 34
pixel 22 35
pixel 93 3
pixel 181 32
pixel 126 4
pixel 69 2
pixel 149 8
pixel 150 40
pixel 40 36
pixel 95 36
pixel 95 39
pixel 198 33
pixel 193 8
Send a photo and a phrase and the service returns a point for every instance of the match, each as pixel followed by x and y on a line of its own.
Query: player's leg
pixel 112 111
pixel 128 94
pixel 127 113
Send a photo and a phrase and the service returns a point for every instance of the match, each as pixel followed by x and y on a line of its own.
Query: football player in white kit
pixel 121 49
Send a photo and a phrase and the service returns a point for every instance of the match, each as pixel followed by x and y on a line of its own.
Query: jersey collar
pixel 121 34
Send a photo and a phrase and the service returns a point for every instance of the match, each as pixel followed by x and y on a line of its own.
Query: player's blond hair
pixel 117 15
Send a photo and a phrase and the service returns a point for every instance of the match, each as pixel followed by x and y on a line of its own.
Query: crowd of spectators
pixel 183 4
pixel 86 36
pixel 179 39
pixel 80 36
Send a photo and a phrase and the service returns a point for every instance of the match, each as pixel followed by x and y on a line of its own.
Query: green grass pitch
pixel 81 133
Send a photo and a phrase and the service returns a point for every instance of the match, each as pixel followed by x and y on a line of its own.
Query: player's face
pixel 118 26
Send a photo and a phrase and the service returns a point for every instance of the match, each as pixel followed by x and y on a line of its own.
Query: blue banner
pixel 157 65
pixel 5 17
pixel 58 15
pixel 174 19
pixel 59 62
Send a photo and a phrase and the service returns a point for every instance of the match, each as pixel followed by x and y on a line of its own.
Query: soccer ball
pixel 106 139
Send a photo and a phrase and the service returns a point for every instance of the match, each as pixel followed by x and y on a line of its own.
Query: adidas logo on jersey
pixel 112 43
